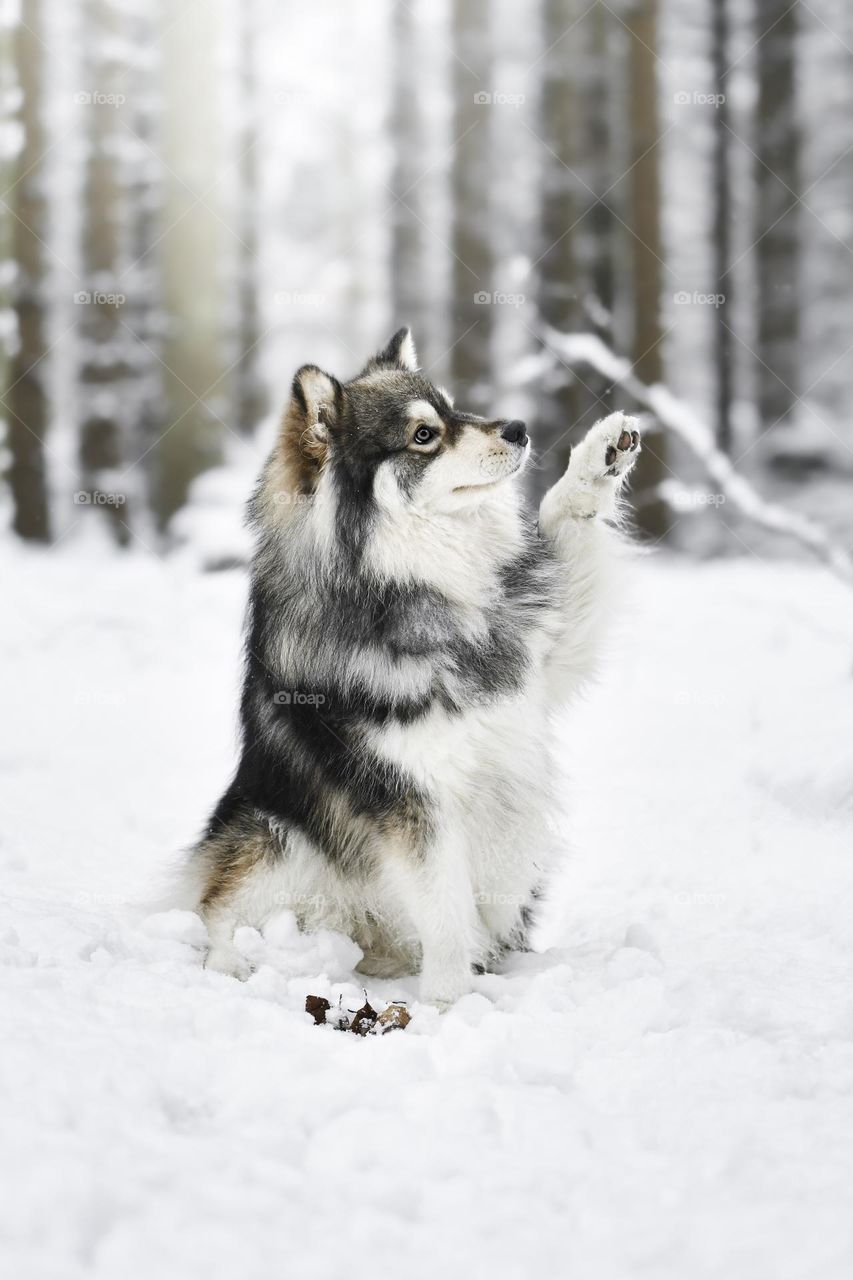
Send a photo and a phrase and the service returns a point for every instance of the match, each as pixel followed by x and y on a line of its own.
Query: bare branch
pixel 673 414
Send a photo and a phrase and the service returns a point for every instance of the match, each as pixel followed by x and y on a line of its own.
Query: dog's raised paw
pixel 596 469
pixel 616 442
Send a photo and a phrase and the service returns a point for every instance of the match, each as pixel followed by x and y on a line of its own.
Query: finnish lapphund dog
pixel 412 631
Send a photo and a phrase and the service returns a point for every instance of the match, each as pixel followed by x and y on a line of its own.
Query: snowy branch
pixel 674 415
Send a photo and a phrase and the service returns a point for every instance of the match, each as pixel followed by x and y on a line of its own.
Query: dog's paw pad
pixel 620 440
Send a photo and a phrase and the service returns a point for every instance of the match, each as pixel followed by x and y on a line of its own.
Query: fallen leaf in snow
pixel 364 1018
pixel 317 1007
pixel 396 1015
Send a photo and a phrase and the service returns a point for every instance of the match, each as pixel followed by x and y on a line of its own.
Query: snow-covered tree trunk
pixel 473 259
pixel 647 245
pixel 26 399
pixel 108 349
pixel 777 220
pixel 723 282
pixel 141 276
pixel 560 408
pixel 10 144
pixel 408 251
pixel 190 252
pixel 249 392
pixel 598 169
pixel 419 120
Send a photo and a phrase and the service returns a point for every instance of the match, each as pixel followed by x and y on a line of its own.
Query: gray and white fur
pixel 411 633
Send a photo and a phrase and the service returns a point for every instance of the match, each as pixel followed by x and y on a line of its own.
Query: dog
pixel 411 632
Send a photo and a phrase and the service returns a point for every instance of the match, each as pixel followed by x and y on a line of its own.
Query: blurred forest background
pixel 200 195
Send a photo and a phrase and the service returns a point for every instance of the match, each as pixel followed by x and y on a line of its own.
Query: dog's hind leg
pixel 235 869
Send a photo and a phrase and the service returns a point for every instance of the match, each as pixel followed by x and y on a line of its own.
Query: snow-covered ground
pixel 665 1091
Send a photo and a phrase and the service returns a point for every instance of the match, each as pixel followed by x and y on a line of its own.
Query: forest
pixel 578 206
pixel 200 196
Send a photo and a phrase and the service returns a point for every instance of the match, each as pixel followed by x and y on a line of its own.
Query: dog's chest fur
pixel 421 660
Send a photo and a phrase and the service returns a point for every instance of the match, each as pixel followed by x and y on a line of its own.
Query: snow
pixel 665 1090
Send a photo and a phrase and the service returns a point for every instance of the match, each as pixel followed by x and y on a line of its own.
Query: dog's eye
pixel 423 435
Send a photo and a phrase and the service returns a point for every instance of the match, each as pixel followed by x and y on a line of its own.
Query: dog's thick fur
pixel 410 632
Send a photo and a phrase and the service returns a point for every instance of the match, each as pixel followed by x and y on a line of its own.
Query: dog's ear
pixel 314 409
pixel 400 353
pixel 316 400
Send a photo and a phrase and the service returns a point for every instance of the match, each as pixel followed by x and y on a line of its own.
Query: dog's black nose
pixel 515 432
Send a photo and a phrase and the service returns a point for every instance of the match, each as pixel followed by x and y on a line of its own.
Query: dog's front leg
pixel 436 892
pixel 573 518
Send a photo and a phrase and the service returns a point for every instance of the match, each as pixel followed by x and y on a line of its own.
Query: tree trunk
pixel 26 398
pixel 141 277
pixel 598 145
pixel 191 257
pixel 249 395
pixel 473 264
pixel 777 175
pixel 8 173
pixel 411 288
pixel 107 360
pixel 559 303
pixel 647 247
pixel 723 354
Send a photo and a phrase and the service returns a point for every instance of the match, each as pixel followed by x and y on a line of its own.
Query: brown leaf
pixel 396 1015
pixel 317 1006
pixel 364 1018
